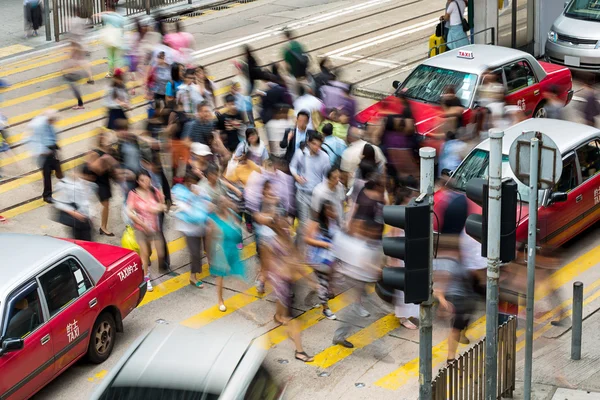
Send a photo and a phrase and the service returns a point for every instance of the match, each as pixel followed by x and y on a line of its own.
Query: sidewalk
pixel 556 376
pixel 12 33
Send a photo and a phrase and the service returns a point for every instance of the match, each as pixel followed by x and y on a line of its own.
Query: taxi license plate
pixel 572 61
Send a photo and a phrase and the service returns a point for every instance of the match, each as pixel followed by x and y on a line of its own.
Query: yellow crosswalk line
pixel 14 49
pixel 62 105
pixel 47 77
pixel 309 318
pixel 16 69
pixel 360 339
pixel 173 284
pixel 23 209
pixel 38 176
pixel 398 378
pixel 66 166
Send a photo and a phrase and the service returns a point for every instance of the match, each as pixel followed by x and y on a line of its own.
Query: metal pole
pixel 531 252
pixel 55 19
pixel 577 321
pixel 493 263
pixel 425 315
pixel 47 20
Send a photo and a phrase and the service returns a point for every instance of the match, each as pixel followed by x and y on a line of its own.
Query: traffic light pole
pixel 427 155
pixel 531 251
pixel 493 264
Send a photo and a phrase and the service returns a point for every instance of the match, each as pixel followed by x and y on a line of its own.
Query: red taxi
pixel 525 79
pixel 571 206
pixel 60 300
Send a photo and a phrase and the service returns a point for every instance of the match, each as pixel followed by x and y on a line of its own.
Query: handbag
pixel 465 25
pixel 64 218
pixel 320 258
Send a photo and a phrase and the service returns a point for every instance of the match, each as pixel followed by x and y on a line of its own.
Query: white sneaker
pixel 329 314
pixel 149 284
pixel 362 311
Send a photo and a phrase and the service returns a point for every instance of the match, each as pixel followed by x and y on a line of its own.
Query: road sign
pixel 550 159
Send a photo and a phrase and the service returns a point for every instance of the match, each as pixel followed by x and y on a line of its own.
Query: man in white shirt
pixel 276 129
pixel 352 156
pixel 330 190
pixel 309 102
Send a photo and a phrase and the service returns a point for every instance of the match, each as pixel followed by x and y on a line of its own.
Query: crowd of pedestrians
pixel 280 156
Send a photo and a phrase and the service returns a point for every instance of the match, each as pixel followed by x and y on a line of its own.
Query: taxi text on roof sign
pixel 465 54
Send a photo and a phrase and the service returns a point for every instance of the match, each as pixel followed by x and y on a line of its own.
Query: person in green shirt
pixel 295 57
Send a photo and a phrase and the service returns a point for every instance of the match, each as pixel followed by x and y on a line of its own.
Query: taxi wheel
pixel 540 111
pixel 102 339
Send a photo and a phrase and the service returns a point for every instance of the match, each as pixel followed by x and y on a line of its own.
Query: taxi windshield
pixel 588 10
pixel 426 84
pixel 476 166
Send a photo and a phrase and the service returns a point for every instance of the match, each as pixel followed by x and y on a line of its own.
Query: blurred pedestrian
pixel 45 147
pixel 101 163
pixel 554 105
pixel 252 148
pixel 591 107
pixel 33 13
pixel 205 87
pixel 72 72
pixel 229 123
pixel 144 203
pixel 191 216
pixel 273 99
pixel 295 57
pixel 307 101
pixel 223 237
pixel 330 190
pixel 241 88
pixel 157 80
pixel 454 291
pixel 72 202
pixel 186 95
pixel 324 75
pixel 78 26
pixel 276 129
pixel 292 139
pixel 308 167
pixel 455 10
pixel 333 146
pixel 353 155
pixel 182 42
pixel 178 143
pixel 320 255
pixel 117 99
pixel 177 75
pixel 112 36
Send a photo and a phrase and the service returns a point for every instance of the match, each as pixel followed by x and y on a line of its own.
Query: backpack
pixel 338 158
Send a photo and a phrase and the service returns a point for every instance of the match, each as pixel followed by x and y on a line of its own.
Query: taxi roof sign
pixel 465 54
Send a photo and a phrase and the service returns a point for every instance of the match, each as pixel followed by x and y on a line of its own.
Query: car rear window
pixel 152 393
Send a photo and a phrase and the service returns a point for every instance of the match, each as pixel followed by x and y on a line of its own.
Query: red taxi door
pixel 25 371
pixel 522 87
pixel 72 306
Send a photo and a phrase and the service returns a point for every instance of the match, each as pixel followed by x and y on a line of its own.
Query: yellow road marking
pixel 38 176
pixel 183 280
pixel 14 49
pixel 360 339
pixel 45 92
pixel 23 209
pixel 65 104
pixel 65 166
pixel 309 318
pixel 566 314
pixel 16 69
pixel 398 378
pixel 98 376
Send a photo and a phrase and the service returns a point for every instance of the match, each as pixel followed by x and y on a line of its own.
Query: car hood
pixel 577 27
pixel 425 114
pixel 106 254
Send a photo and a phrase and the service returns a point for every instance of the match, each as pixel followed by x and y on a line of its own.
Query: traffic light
pixel 413 248
pixel 477 224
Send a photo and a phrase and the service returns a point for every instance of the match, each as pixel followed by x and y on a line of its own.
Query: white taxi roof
pixel 484 57
pixel 25 256
pixel 567 135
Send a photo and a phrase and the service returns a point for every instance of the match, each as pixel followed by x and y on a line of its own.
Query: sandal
pixel 278 322
pixel 198 284
pixel 303 357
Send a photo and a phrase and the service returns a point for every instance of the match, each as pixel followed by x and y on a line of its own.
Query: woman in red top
pixel 144 203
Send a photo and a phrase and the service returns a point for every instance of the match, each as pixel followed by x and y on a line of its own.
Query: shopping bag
pixel 128 240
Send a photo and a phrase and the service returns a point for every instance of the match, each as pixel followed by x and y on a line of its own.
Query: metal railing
pixel 437 50
pixel 64 10
pixel 464 378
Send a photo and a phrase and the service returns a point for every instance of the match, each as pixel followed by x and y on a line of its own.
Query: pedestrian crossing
pixel 310 321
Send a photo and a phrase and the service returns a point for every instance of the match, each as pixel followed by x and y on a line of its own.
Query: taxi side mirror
pixel 9 345
pixel 396 84
pixel 558 197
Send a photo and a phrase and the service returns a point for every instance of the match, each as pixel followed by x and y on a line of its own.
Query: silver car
pixel 574 39
pixel 180 363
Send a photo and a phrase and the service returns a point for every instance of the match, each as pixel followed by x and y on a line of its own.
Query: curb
pixel 370 94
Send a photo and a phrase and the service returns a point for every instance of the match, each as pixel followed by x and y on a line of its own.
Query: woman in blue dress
pixel 223 241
